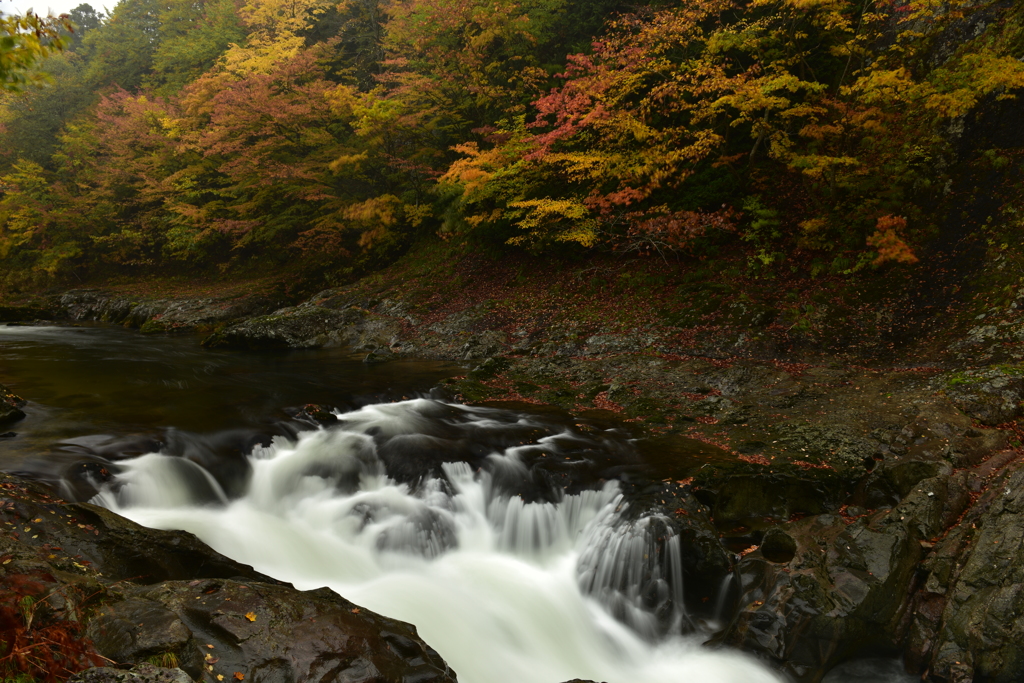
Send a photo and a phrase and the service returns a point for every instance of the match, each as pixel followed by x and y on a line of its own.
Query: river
pixel 448 517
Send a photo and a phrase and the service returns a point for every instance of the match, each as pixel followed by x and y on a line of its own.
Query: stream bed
pixel 504 535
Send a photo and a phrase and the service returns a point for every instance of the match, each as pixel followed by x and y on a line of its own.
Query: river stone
pixel 125 550
pixel 483 345
pixel 675 511
pixel 10 406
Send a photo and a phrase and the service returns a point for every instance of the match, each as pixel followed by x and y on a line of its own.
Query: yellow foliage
pixel 346 160
pixel 544 217
pixel 279 18
pixel 476 169
pixel 380 210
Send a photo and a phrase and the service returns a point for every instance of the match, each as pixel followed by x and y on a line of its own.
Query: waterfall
pixel 508 587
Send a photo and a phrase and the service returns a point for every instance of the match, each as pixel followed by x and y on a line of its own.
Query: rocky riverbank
pixel 868 504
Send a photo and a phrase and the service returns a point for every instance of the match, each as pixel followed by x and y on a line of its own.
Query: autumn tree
pixel 828 103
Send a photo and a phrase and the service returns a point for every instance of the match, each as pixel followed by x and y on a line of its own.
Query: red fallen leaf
pixel 239 675
pixel 356 610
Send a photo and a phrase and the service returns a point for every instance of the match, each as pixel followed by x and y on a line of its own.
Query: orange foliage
pixel 889 245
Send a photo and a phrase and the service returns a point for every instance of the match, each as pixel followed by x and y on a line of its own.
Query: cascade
pixel 509 581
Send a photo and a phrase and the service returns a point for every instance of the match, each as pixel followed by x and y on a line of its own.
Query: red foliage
pixel 39 634
pixel 676 229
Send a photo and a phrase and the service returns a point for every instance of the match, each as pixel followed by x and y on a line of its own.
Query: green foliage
pixel 33 120
pixel 19 678
pixel 121 52
pixel 167 660
pixel 763 232
pixel 25 41
pixel 193 36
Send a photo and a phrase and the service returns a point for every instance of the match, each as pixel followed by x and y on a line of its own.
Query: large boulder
pixel 261 631
pixel 122 549
pixel 823 589
pixel 967 621
pixel 141 673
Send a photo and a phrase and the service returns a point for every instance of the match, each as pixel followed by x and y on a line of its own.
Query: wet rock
pixel 705 562
pixel 967 622
pixel 124 550
pixel 826 588
pixel 158 315
pixel 10 406
pixel 315 414
pixel 133 629
pixel 483 345
pixel 221 627
pixel 142 673
pixel 489 368
pixel 379 356
pixel 309 327
pixel 741 497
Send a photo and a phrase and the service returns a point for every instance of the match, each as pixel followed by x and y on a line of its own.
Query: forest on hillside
pixel 819 136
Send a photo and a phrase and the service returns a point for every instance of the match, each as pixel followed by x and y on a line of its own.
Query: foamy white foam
pixel 506 591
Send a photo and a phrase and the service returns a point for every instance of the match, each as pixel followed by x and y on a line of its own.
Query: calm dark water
pixel 108 380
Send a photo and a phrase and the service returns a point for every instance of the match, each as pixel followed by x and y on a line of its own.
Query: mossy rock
pixel 153 326
pixel 526 387
pixel 646 407
pixel 490 368
pixel 471 391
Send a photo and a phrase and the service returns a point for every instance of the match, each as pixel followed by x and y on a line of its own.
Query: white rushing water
pixel 506 591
